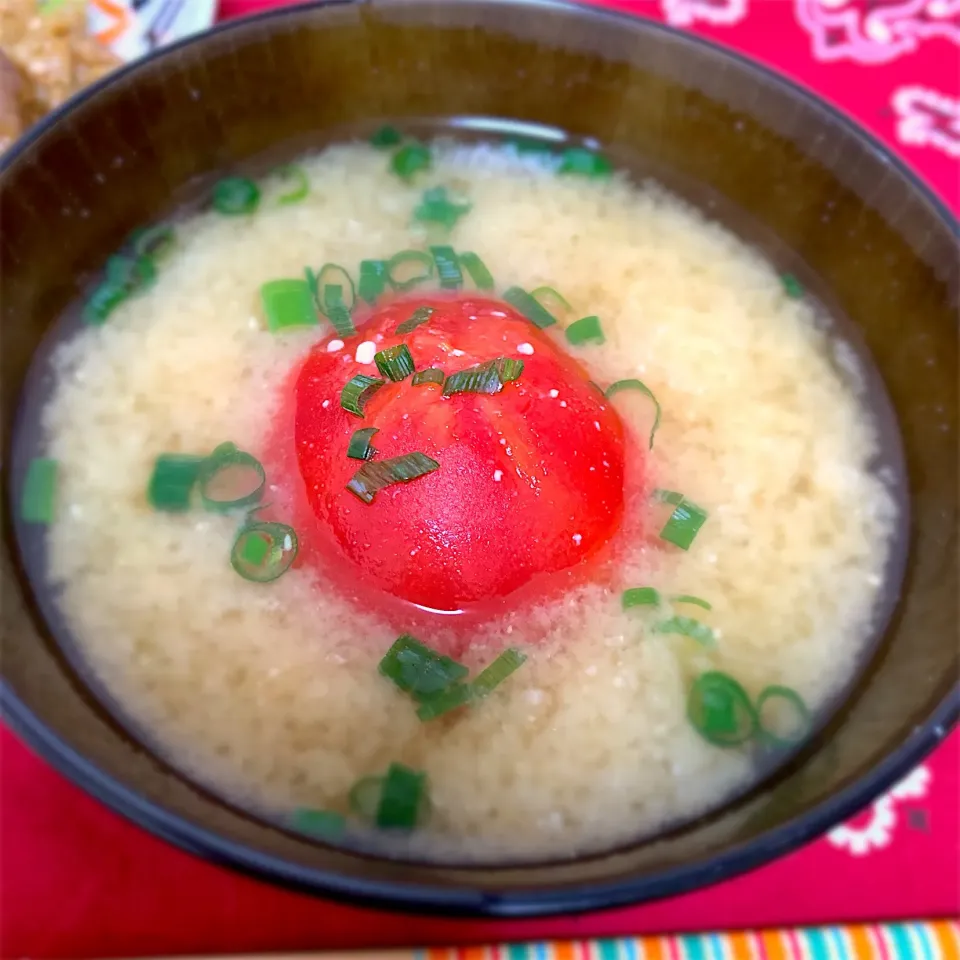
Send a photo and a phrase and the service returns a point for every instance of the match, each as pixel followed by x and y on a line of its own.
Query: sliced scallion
pixel 792 287
pixel 38 499
pixel 288 303
pixel 364 797
pixel 234 196
pixel 486 377
pixel 584 162
pixel 531 145
pixel 639 385
pixel 377 475
pixel 448 267
pixel 550 298
pixel 403 798
pixel 585 330
pixel 319 823
pixel 696 601
pixel 687 627
pixel 799 720
pixel 408 268
pixel 326 289
pixel 360 447
pixel 358 391
pixel 640 597
pixel 230 478
pixel 373 280
pixel 479 274
pixel 295 179
pixel 684 524
pixel 418 670
pixel 155 242
pixel 386 136
pixel 131 273
pixel 437 207
pixel 452 698
pixel 172 481
pixel 495 673
pixel 420 315
pixel 264 551
pixel 105 298
pixel 532 309
pixel 411 158
pixel 395 363
pixel 431 375
pixel 720 710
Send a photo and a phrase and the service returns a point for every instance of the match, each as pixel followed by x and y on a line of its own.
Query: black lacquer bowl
pixel 861 225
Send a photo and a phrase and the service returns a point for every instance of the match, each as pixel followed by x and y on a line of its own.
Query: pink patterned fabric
pixel 78 881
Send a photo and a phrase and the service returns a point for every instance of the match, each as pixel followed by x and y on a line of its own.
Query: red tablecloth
pixel 77 881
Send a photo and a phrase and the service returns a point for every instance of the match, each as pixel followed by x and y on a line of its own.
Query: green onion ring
pixel 264 551
pixel 226 457
pixel 720 710
pixel 640 597
pixel 300 185
pixel 639 385
pixel 409 257
pixel 38 498
pixel 800 709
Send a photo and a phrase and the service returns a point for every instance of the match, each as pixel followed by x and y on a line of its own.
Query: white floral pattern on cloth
pixel 873 829
pixel 927 118
pixel 875 31
pixel 685 13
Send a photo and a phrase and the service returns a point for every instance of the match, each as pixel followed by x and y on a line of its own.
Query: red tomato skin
pixel 531 479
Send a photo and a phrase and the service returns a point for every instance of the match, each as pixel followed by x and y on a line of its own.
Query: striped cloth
pixel 939 940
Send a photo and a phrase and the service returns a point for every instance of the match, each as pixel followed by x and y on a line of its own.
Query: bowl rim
pixel 521 902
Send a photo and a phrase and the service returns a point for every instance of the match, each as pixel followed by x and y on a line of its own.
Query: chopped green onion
pixel 668 496
pixel 287 303
pixel 448 267
pixel 395 363
pixel 720 710
pixel 403 797
pixel 697 601
pixel 320 823
pixel 299 184
pixel 431 375
pixel 585 330
pixel 375 476
pixel 399 274
pixel 479 274
pixel 358 391
pixel 486 377
pixel 452 698
pixel 437 207
pixel 792 286
pixel 684 524
pixel 640 597
pixel 531 145
pixel 39 496
pixel 373 280
pixel 131 273
pixel 360 447
pixel 153 242
pixel 411 158
pixel 420 315
pixel 264 551
pixel 105 298
pixel 799 720
pixel 364 797
pixel 633 384
pixel 492 676
pixel 554 299
pixel 519 299
pixel 234 196
pixel 386 136
pixel 687 627
pixel 230 478
pixel 328 296
pixel 418 670
pixel 173 478
pixel 586 163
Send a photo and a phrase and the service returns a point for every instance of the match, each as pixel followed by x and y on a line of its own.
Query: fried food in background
pixel 46 56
